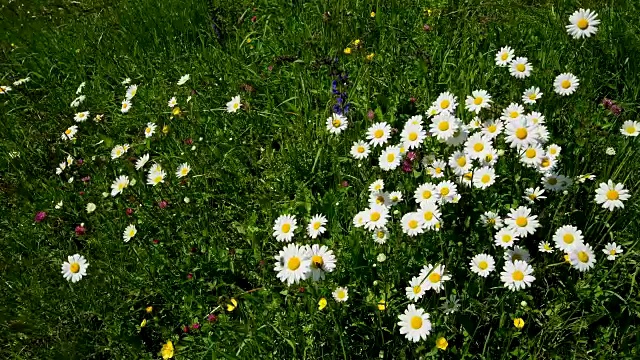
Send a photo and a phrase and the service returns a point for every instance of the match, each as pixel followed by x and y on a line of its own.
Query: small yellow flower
pixel 165 129
pixel 347 50
pixel 370 56
pixel 167 350
pixel 356 42
pixel 382 305
pixel 322 303
pixel 566 258
pixel 149 309
pixel 373 14
pixel 442 343
pixel 249 41
pixel 233 305
pixel 175 111
pixel 518 323
pixel 143 323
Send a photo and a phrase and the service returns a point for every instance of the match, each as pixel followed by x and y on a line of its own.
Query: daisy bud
pixel 41 215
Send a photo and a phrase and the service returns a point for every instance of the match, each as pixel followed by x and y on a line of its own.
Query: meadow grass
pixel 275 156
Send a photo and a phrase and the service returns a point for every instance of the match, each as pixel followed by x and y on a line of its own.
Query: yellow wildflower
pixel 143 323
pixel 175 111
pixel 373 14
pixel 518 323
pixel 149 309
pixel 322 303
pixel 233 305
pixel 347 50
pixel 382 305
pixel 165 129
pixel 442 343
pixel 370 56
pixel 356 42
pixel 167 350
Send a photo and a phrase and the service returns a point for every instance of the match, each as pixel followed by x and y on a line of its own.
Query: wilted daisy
pixel 284 227
pixel 77 101
pixel 611 195
pixel 516 253
pixel 129 232
pixel 484 177
pixel 341 294
pixel 155 177
pixel 477 146
pixel 183 79
pixel 531 194
pixel 443 126
pixel 434 276
pixel 380 198
pixel 565 84
pixel 142 161
pixel 610 151
pixel 389 158
pixel 505 237
pixel 360 150
pixel 436 169
pixel 516 275
pixel 492 128
pixel 412 136
pixel 293 264
pixel 183 170
pixel 478 100
pixel 555 182
pixel 81 116
pixel 520 68
pixel 150 129
pixel 504 56
pixel 316 226
pixel 446 102
pixel 131 92
pixel 233 105
pixel 70 133
pixel 545 247
pixel 336 123
pixel 414 324
pixel 4 89
pixel 612 250
pixel 75 268
pixel 520 134
pixel 630 128
pixel 412 224
pixel 380 236
pixel 531 95
pixel 322 261
pixel 581 257
pixel 21 81
pixel 126 106
pixel 491 219
pixel 482 264
pixel 119 184
pixel 521 221
pixel 584 23
pixel 378 134
pixel 377 216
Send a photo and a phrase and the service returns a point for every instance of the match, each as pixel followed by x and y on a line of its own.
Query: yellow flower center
pixel 294 263
pixel 416 289
pixel 184 171
pixel 630 129
pixel 612 252
pixel 504 56
pixel 74 267
pixel 360 149
pixel 478 100
pixel 568 238
pixel 533 196
pixel 468 176
pixel 428 215
pixel 147 130
pixel 337 123
pixel 416 322
pixel 381 234
pixel 506 238
pixel 375 216
pixel 530 153
pixel 317 261
pixel 391 157
pixel 521 133
pixel 612 195
pixel 462 161
pixel 125 105
pixel 478 147
pixel 583 256
pixel 485 178
pixel 492 128
pixel 438 170
pixel 515 257
pixel 520 67
pixel 445 104
pixel 68 131
pixel 553 151
pixel 488 158
pixel 316 226
pixel 413 136
pixel 434 277
pixel 378 133
pixel 483 265
pixel 120 186
pixel 443 126
pixel 157 179
pixel 426 194
pixel 532 96
pixel 582 24
pixel 341 294
pixel 444 191
pixel 286 228
pixel 514 114
pixel 413 224
pixel 521 221
pixel 236 105
pixel 518 275
pixel 565 84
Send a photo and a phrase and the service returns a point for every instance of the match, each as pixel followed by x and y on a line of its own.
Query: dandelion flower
pixel 70 133
pixel 484 177
pixel 521 221
pixel 378 134
pixel 142 161
pixel 630 128
pixel 482 264
pixel 293 264
pixel 414 323
pixel 360 150
pixel 446 102
pixel 412 224
pixel 119 184
pixel 183 79
pixel 316 226
pixel 234 104
pixel 581 257
pixel 129 232
pixel 149 130
pixel 75 268
pixel 434 277
pixel 389 158
pixel 478 100
pixel 504 56
pixel 611 195
pixel 612 250
pixel 505 237
pixel 531 95
pixel 337 123
pixel 322 303
pixel 565 84
pixel 442 343
pixel 584 23
pixel 322 261
pixel 416 289
pixel 183 170
pixel 341 294
pixel 131 92
pixel 443 126
pixel 520 68
pixel 517 275
pixel 284 227
pixel 518 323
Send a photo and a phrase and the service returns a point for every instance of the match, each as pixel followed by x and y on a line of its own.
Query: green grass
pixel 275 156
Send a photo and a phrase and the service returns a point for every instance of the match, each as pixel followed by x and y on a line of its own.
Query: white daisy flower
pixel 293 264
pixel 484 177
pixel 126 106
pixel 581 257
pixel 531 95
pixel 155 177
pixel 460 163
pixel 465 179
pixel 395 197
pixel 380 236
pixel 491 219
pixel 521 221
pixel 414 120
pixel 492 128
pixel 75 268
pixel 432 111
pixel 183 79
pixel 512 112
pixel 584 177
pixel 531 194
pixel 520 133
pixel 612 250
pixel 430 215
pixel 426 193
pixel 611 195
pixel 477 146
pixel 520 68
pixel 234 104
pixel 545 247
pixel 80 87
pixel 360 219
pixel 434 277
pixel 81 116
pixel 479 99
pixel 547 164
pixel 131 92
pixel 459 136
pixel 436 169
pixel 378 134
pixel 377 217
pixel 379 198
pixel 341 294
pixel 446 102
pixel 142 161
pixel 360 150
pixel 389 158
pixel 505 237
pixel 70 133
pixel 446 190
pixel 630 128
pixel 77 101
pixel 150 129
pixel 376 186
pixel 516 275
pixel 490 158
pixel 584 23
pixel 517 253
pixel 532 155
pixel 322 261
pixel 316 226
pixel 284 227
pixel 416 289
pixel 336 123
pixel 5 89
pixel 183 170
pixel 412 136
pixel 172 102
pixel 565 84
pixel 119 184
pixel 504 56
pixel 129 232
pixel 567 237
pixel 482 264
pixel 412 224
pixel 555 182
pixel 443 126
pixel 414 324
pixel 117 151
